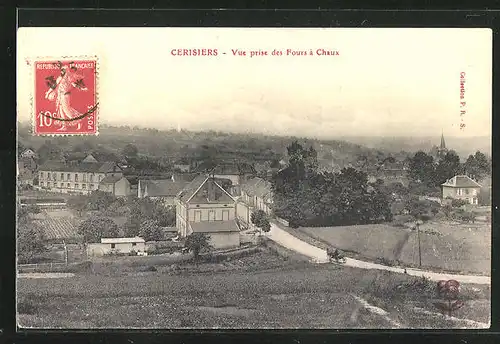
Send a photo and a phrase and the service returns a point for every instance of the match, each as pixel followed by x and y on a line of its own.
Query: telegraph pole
pixel 419 248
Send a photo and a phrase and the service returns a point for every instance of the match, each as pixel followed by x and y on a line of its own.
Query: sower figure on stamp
pixel 60 91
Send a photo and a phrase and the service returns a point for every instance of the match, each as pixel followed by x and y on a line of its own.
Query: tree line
pixel 306 197
pixel 424 169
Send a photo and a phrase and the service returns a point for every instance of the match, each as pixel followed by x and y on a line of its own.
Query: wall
pixel 453 193
pixel 122 187
pixel 64 182
pixel 224 239
pixel 217 209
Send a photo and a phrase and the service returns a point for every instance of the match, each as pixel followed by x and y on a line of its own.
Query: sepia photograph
pixel 253 178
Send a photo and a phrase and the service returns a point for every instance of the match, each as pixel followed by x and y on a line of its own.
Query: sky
pixel 383 82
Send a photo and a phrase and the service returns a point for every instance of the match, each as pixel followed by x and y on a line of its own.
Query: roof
pixel 121 240
pixel 191 188
pixel 90 158
pixel 233 168
pixel 161 187
pixel 111 179
pixel 461 181
pixel 257 187
pixel 93 167
pixel 214 226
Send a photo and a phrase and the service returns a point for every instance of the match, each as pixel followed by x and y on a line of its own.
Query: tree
pixel 49 151
pixel 96 228
pixel 99 200
pixel 261 220
pixel 130 150
pixel 447 167
pixel 197 243
pixel 30 237
pixel 78 203
pixel 478 165
pixel 151 231
pixel 421 168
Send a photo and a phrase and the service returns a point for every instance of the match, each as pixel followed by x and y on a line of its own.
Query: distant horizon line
pixel 179 130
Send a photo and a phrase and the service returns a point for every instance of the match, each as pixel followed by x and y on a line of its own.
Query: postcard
pixel 254 178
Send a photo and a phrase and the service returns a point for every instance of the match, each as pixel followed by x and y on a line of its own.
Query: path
pixel 45 275
pixel 319 255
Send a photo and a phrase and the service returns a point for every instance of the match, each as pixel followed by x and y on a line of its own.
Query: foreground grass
pixel 286 295
pixel 445 246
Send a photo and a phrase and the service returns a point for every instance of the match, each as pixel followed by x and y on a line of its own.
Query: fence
pixel 38 267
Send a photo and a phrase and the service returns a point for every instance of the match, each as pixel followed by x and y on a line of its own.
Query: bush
pixel 458 203
pixel 26 307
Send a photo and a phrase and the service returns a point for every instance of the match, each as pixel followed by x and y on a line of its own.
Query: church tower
pixel 442 150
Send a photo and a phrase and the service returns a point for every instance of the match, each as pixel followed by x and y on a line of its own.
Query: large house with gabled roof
pixel 461 187
pixel 204 206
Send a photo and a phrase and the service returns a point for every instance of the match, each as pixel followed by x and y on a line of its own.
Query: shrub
pixel 26 307
pixel 457 203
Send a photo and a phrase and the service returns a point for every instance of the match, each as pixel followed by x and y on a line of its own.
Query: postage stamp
pixel 65 97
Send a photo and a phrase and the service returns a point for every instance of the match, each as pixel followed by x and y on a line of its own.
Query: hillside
pixel 462 145
pixel 173 144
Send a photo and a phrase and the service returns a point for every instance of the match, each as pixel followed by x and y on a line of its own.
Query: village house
pixel 461 187
pixel 256 194
pixel 182 166
pixel 27 164
pixel 164 190
pixel 26 177
pixel 82 178
pixel 204 206
pixel 29 153
pixel 117 246
pixel 118 186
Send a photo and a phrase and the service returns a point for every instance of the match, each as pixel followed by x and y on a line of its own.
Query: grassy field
pixel 257 291
pixel 445 246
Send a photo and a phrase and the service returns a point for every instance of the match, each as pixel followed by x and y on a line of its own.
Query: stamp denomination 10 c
pixel 65 99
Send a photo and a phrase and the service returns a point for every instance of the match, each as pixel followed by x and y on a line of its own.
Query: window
pixel 92 186
pixel 60 185
pixel 48 175
pixel 84 186
pixel 134 244
pixel 459 192
pixel 41 175
pixel 474 192
pixel 62 176
pixel 466 191
pixel 68 186
pixel 77 186
pixel 91 177
pixel 76 177
pixel 84 177
pixel 68 177
pixel 49 184
pixel 211 215
pixel 41 184
pixel 112 245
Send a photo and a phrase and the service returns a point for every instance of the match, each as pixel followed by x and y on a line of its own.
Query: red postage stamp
pixel 65 97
